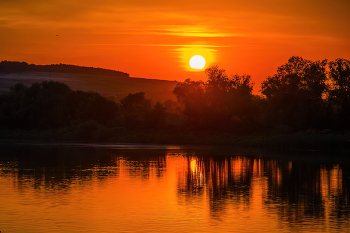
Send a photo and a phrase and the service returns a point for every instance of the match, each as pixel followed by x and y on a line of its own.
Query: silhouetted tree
pixel 129 102
pixel 51 104
pixel 191 97
pixel 218 103
pixel 138 112
pixel 340 94
pixel 216 91
pixel 294 93
pixel 37 106
pixel 83 106
pixel 157 117
pixel 170 106
pixel 242 104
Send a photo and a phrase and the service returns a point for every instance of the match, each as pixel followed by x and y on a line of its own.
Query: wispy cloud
pixel 194 31
pixel 165 45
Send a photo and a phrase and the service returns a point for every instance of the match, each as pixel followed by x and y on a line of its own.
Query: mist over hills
pixel 107 82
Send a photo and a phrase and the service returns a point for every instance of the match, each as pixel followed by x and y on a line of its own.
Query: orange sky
pixel 155 39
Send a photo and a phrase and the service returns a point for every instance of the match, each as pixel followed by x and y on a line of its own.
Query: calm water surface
pixel 130 188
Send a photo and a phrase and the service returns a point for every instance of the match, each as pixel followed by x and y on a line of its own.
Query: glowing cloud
pixel 195 31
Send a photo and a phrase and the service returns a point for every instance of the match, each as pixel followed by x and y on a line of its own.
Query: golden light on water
pixel 114 193
pixel 194 165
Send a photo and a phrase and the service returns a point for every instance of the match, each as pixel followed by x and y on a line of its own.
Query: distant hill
pixel 8 67
pixel 114 84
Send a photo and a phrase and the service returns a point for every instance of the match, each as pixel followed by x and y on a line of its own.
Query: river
pixel 70 187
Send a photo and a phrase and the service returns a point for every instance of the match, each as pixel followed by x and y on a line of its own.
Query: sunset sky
pixel 156 39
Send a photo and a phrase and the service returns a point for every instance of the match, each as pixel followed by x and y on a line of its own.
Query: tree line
pixel 50 105
pixel 301 95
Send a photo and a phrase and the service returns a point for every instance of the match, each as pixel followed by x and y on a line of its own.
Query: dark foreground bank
pixel 307 140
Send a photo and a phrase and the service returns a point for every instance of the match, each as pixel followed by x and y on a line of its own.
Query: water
pixel 145 188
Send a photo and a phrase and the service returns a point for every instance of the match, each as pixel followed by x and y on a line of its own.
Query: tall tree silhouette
pixel 340 93
pixel 294 93
pixel 213 104
pixel 191 97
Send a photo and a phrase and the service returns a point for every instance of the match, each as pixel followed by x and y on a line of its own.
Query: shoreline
pixel 311 142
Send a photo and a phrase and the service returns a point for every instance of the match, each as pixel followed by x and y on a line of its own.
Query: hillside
pixel 8 67
pixel 115 86
pixel 111 83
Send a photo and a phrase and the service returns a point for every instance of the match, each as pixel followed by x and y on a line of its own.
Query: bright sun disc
pixel 197 62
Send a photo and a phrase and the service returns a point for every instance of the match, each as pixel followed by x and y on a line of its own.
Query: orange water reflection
pixel 95 190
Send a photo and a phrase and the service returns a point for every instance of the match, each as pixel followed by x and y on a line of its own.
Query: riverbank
pixel 307 140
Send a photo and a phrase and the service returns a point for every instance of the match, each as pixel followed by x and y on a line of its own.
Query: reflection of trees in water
pixel 54 168
pixel 223 180
pixel 309 191
pixel 228 179
pixel 191 183
pixel 297 190
pixel 59 168
pixel 144 164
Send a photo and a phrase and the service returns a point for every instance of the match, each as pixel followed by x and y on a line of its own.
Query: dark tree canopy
pixel 190 95
pixel 83 106
pixel 129 102
pixel 52 104
pixel 295 93
pixel 138 112
pixel 297 78
pixel 339 71
pixel 214 104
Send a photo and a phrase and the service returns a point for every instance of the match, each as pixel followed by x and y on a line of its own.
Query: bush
pixel 86 131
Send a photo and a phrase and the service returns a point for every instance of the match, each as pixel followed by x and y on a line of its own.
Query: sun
pixel 197 62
